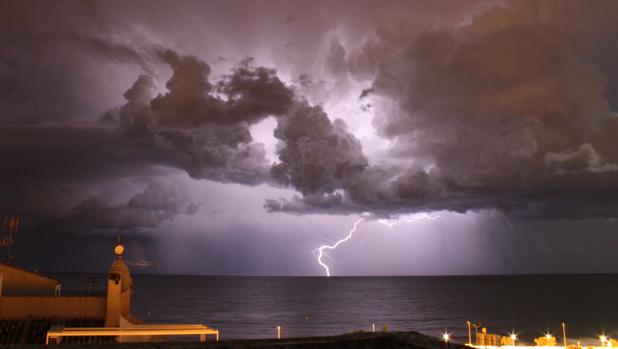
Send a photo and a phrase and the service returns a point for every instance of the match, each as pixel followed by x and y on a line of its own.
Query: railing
pixel 57 332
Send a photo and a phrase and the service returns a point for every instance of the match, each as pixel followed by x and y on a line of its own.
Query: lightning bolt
pixel 506 220
pixel 390 223
pixel 320 250
pixel 508 224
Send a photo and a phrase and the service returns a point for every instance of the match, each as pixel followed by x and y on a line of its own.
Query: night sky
pixel 236 137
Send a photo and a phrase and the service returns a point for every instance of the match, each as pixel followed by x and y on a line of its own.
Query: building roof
pixel 4 264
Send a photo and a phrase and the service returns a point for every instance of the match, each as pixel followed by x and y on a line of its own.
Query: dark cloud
pixel 584 159
pixel 158 202
pixel 502 111
pixel 316 156
pixel 70 152
pixel 508 106
pixel 204 125
pixel 365 92
pixel 50 68
pixel 117 49
pixel 72 174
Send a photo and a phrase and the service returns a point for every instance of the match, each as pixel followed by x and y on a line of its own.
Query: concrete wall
pixel 128 339
pixel 112 308
pixel 60 307
pixel 18 282
pixel 119 286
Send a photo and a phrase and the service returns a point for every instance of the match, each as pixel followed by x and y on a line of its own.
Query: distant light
pixel 548 335
pixel 603 338
pixel 446 336
pixel 513 337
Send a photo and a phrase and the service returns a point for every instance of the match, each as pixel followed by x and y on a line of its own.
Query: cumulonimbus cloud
pixel 511 109
pixel 500 112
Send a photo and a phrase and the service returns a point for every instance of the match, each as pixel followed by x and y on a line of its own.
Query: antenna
pixel 10 226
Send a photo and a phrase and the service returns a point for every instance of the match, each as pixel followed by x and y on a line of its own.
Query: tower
pixel 119 286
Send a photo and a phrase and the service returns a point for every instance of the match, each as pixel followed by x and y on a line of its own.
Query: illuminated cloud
pixel 386 107
pixel 489 113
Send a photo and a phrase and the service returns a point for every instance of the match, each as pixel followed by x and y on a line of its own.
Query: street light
pixel 603 339
pixel 445 337
pixel 476 328
pixel 513 337
pixel 469 334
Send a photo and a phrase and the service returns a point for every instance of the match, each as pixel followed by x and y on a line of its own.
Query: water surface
pixel 251 307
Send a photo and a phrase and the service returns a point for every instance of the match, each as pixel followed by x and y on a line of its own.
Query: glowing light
pixel 445 337
pixel 603 339
pixel 390 223
pixel 547 341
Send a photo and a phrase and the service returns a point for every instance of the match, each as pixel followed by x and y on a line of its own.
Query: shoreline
pixel 360 340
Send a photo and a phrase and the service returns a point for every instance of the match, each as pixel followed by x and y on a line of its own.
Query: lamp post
pixel 549 337
pixel 513 337
pixel 476 330
pixel 445 337
pixel 564 334
pixel 469 334
pixel 278 332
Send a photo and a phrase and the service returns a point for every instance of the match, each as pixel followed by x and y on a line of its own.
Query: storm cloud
pixel 389 108
pixel 503 111
pixel 204 127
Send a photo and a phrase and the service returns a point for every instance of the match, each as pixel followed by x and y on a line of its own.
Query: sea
pixel 252 307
